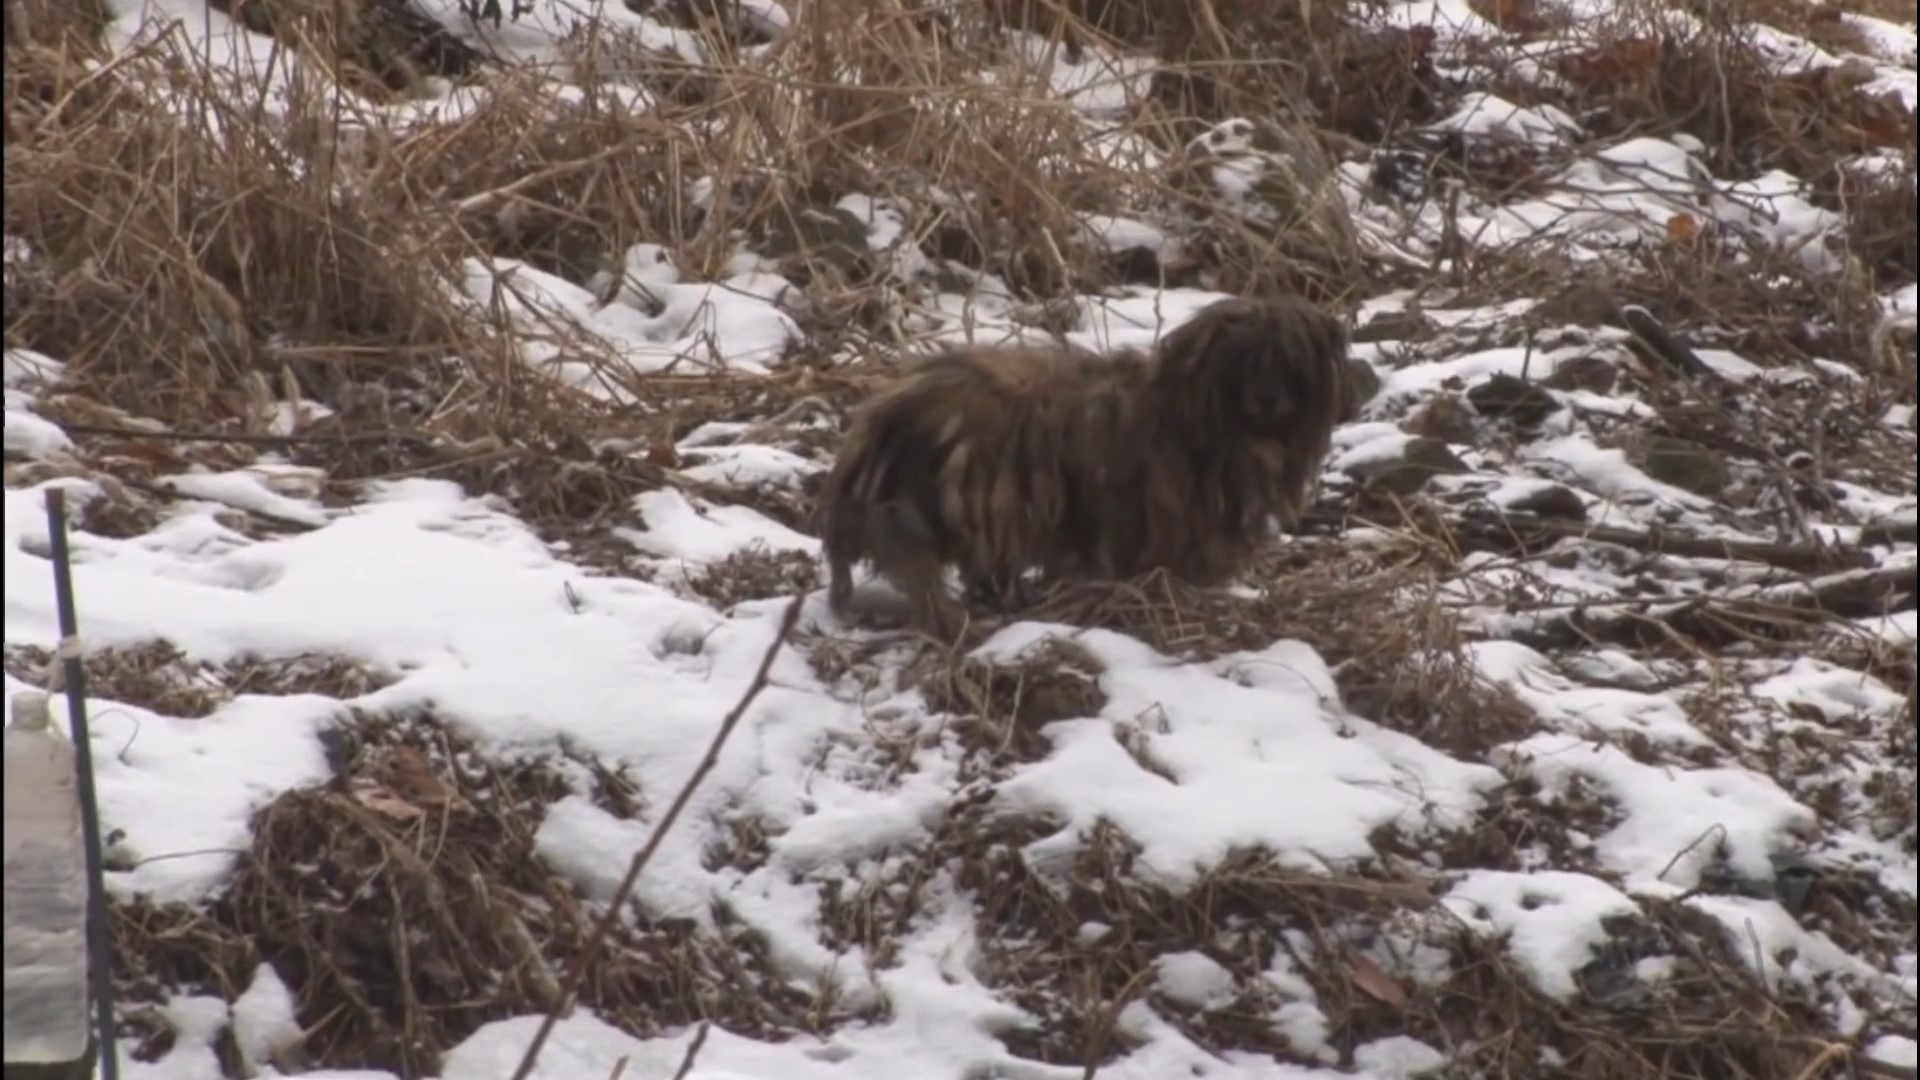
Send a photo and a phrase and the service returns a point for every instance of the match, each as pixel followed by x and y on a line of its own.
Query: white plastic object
pixel 47 1021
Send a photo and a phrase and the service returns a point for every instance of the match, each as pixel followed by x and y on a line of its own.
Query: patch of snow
pixel 1191 765
pixel 1193 979
pixel 678 528
pixel 1485 115
pixel 1595 711
pixel 1671 823
pixel 1552 921
pixel 265 1018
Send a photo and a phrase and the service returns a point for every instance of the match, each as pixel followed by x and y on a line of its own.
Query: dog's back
pixel 959 463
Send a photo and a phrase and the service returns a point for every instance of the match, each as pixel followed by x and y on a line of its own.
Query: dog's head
pixel 1270 365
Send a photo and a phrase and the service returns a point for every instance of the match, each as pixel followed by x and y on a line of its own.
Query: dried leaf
pixel 1613 62
pixel 1374 981
pixel 1514 15
pixel 663 454
pixel 380 801
pixel 1683 228
pixel 412 778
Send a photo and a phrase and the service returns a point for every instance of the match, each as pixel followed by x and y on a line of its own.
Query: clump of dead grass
pixel 155 229
pixel 1396 653
pixel 405 905
pixel 1241 57
pixel 1883 224
pixel 54 25
pixel 999 709
pixel 382 49
pixel 197 261
pixel 157 676
pixel 755 574
pixel 1075 943
pixel 1647 74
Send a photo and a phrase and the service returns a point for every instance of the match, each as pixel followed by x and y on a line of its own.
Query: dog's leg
pixel 987 590
pixel 905 553
pixel 842 544
pixel 839 584
pixel 936 608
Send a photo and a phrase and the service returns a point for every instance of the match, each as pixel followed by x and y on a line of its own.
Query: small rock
pixel 1552 501
pixel 1509 398
pixel 1446 418
pixel 1395 326
pixel 1420 460
pixel 1362 384
pixel 1590 373
pixel 1684 465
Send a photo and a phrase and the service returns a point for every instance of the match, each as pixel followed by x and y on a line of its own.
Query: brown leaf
pixel 1373 980
pixel 1511 15
pixel 381 801
pixel 1683 228
pixel 413 778
pixel 663 454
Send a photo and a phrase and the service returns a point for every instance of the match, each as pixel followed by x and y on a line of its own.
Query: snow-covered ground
pixel 1687 779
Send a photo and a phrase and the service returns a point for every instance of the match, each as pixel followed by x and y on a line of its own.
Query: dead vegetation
pixel 159 677
pixel 199 263
pixel 405 904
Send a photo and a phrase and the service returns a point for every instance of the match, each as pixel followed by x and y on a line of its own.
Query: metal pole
pixel 99 934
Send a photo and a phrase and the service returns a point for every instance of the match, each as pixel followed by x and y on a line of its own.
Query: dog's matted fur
pixel 1079 464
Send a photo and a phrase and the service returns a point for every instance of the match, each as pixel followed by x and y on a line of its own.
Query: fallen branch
pixel 1532 534
pixel 1855 594
pixel 1657 341
pixel 1890 532
pixel 1760 613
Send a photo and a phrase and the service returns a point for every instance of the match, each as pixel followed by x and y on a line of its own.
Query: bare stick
pixel 596 940
pixel 1662 343
pixel 248 439
pixel 1528 531
pixel 99 935
pixel 693 1051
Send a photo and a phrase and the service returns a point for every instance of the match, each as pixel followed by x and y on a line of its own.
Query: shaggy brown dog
pixel 1076 464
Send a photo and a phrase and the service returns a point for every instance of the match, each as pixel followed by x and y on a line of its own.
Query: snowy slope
pixel 1663 784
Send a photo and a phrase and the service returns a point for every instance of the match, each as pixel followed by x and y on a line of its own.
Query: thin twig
pixel 595 941
pixel 338 439
pixel 693 1051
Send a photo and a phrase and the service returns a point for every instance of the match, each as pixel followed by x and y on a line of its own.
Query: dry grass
pixel 199 262
pixel 405 904
pixel 159 677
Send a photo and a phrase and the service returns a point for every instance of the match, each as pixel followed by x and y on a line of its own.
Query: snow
pixel 1672 821
pixel 470 616
pixel 1565 705
pixel 1551 920
pixel 252 490
pixel 264 1018
pixel 1235 765
pixel 1398 1057
pixel 1484 115
pixel 732 324
pixel 1193 979
pixel 181 792
pixel 676 528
